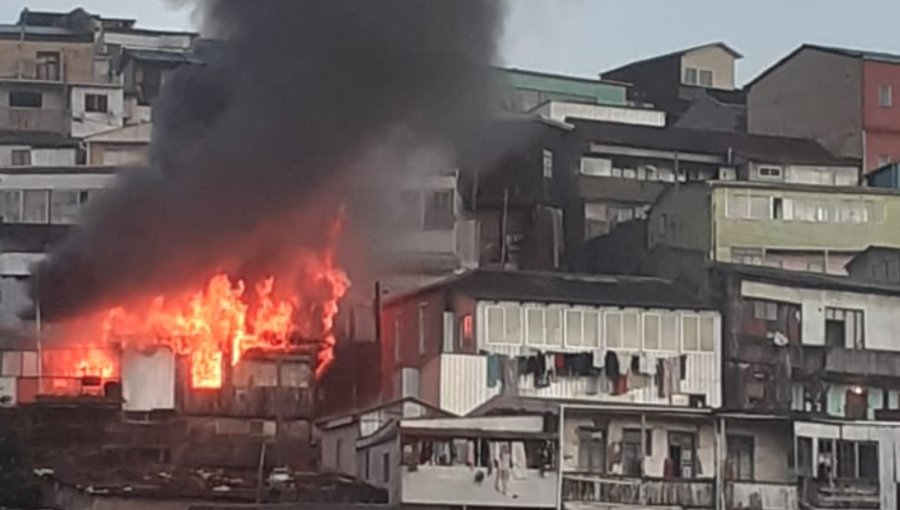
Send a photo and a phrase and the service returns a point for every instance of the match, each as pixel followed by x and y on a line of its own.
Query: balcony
pixel 873 363
pixel 639 492
pixel 840 494
pixel 34 119
pixel 760 496
pixel 465 486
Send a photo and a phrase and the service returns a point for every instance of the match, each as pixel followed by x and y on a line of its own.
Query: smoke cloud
pixel 253 152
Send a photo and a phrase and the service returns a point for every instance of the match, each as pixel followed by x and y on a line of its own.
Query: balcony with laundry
pixel 603 354
pixel 489 461
pixel 641 457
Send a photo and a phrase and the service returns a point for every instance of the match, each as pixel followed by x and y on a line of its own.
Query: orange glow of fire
pixel 224 321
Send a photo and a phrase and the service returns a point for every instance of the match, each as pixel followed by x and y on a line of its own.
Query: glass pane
pixel 495 324
pixel 513 324
pixel 64 206
pixel 689 333
pixel 535 318
pixel 669 333
pixel 613 330
pixel 574 328
pixel 631 328
pixel 35 206
pixel 11 206
pixel 651 332
pixel 591 329
pixel 554 327
pixel 707 334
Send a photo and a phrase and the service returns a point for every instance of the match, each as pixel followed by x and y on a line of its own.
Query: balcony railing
pixel 760 496
pixel 643 492
pixel 33 119
pixel 840 494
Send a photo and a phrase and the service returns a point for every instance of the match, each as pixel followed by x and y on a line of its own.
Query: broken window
pixel 591 450
pixel 844 328
pixel 771 321
pixel 739 462
pixel 439 210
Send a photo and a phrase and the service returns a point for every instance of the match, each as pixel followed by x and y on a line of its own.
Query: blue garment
pixel 494 370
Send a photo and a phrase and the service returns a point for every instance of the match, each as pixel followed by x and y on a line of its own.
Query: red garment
pixel 621 386
pixel 559 361
pixel 668 469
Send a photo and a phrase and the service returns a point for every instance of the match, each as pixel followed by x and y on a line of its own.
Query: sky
pixel 584 37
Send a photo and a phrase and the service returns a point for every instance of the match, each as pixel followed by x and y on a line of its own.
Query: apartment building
pixel 803 228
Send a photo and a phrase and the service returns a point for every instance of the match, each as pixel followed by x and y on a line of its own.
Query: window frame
pixel 96 103
pixel 547 163
pixel 17 162
pixel 885 96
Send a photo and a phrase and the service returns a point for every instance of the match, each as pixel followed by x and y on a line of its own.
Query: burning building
pixel 199 294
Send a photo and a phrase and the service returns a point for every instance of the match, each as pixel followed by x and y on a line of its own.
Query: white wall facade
pixel 85 123
pixel 881 320
pixel 41 157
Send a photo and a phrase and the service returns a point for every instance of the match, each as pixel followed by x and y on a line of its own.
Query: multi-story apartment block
pixel 804 228
pixel 860 120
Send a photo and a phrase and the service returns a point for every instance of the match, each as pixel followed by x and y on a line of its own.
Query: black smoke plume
pixel 252 151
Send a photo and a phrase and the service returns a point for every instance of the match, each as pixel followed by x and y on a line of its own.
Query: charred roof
pixel 564 288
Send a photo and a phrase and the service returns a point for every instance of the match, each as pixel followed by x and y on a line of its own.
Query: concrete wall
pixel 456 486
pixel 65 156
pixel 808 174
pixel 672 221
pixel 117 154
pixel 340 459
pixel 882 323
pixel 76 59
pixel 771 448
pixel 715 59
pixel 385 471
pixel 882 124
pixel 659 427
pixel 561 111
pixel 788 101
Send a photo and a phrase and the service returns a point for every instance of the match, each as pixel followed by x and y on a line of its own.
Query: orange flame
pixel 219 324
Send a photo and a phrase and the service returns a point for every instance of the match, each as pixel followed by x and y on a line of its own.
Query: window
pixel 25 99
pixel 504 324
pixel 698 333
pixel 631 330
pixel 613 329
pixel 548 164
pixel 632 460
pixel 581 328
pixel 20 157
pixel 422 309
pixel 739 460
pixel 844 328
pixel 651 332
pixel 386 467
pixel 772 172
pixel 747 256
pixel 765 310
pixel 777 208
pixel 885 96
pixel 11 206
pixel 368 465
pixel 439 210
pixel 857 460
pixel 682 454
pixel 465 333
pixel 64 206
pixel 596 166
pixel 35 206
pixel 669 333
pixel 47 67
pixel 691 76
pixel 742 205
pixel 591 451
pixel 706 78
pixel 96 103
pixel 397 323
